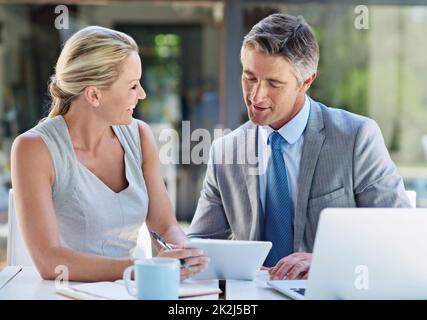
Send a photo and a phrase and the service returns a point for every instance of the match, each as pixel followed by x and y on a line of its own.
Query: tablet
pixel 230 259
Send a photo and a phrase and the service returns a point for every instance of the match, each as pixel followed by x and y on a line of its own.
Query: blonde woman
pixel 87 177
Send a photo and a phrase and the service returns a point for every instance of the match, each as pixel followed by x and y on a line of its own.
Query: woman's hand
pixel 194 259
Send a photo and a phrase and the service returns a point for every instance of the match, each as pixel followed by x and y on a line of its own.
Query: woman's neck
pixel 86 129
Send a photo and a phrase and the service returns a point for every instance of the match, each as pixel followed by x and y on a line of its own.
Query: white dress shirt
pixel 293 133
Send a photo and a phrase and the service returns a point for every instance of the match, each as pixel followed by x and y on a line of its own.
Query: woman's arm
pixel 161 217
pixel 32 178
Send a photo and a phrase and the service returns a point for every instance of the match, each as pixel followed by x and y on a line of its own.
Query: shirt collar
pixel 294 128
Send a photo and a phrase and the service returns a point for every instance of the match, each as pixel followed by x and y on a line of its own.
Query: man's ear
pixel 92 96
pixel 307 83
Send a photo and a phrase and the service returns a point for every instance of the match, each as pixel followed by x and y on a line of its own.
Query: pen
pixel 165 246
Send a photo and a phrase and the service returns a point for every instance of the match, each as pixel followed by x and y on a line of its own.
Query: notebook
pixel 117 291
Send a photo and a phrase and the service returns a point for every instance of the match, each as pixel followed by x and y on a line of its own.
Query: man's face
pixel 270 88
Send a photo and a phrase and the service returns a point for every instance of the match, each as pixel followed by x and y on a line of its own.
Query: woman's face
pixel 118 101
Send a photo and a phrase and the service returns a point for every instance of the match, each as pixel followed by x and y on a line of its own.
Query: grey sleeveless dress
pixel 91 217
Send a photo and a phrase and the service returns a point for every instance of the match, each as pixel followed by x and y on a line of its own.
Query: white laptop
pixel 366 253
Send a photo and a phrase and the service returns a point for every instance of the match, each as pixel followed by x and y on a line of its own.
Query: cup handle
pixel 127 280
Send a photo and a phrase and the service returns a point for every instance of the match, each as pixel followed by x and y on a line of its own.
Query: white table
pixel 28 285
pixel 257 289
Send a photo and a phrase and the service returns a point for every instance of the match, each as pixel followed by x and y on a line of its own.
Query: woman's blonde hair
pixel 91 57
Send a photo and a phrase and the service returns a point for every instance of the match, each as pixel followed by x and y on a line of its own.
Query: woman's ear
pixel 92 96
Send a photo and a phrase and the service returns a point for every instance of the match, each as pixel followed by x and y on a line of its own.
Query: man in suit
pixel 309 156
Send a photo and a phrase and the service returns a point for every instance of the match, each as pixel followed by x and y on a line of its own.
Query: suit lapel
pixel 313 141
pixel 250 171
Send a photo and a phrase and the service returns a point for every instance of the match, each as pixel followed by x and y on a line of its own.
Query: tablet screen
pixel 231 259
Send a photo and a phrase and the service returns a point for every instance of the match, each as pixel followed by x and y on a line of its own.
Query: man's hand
pixel 294 266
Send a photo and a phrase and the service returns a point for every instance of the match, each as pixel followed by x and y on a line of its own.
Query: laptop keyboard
pixel 300 291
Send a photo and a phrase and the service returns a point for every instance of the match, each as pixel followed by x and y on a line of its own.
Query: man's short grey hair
pixel 287 36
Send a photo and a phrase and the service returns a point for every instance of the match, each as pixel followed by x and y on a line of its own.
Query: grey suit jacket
pixel 344 163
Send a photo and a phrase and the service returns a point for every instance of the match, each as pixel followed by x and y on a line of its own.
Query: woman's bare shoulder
pixel 30 150
pixel 30 143
pixel 148 143
pixel 146 134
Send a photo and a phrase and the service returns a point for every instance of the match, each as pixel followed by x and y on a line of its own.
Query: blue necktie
pixel 278 227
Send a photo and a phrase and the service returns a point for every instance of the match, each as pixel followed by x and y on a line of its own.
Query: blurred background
pixel 191 71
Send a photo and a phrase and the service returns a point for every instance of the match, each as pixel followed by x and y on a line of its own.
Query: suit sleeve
pixel 376 181
pixel 210 220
